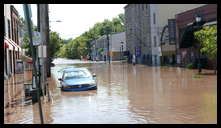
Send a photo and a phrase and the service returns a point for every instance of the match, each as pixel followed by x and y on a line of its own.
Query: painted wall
pixel 115 42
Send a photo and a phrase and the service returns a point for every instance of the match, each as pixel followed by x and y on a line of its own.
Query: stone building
pixel 138 32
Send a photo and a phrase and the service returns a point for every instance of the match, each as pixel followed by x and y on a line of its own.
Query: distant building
pixel 144 26
pixel 99 49
pixel 117 45
pixel 12 48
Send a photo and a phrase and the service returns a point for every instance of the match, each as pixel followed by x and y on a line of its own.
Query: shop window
pixel 9 28
pixel 4 26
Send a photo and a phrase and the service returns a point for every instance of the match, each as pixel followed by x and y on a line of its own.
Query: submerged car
pixel 77 79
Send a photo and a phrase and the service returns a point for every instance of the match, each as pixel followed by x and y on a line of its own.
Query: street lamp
pixel 198 19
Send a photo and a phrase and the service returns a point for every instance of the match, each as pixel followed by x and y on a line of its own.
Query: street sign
pixel 36 38
pixel 138 51
pixel 42 51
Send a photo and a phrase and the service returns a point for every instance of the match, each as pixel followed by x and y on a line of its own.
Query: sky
pixel 75 18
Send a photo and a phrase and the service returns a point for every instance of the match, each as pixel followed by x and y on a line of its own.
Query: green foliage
pixel 208 38
pixel 197 76
pixel 54 44
pixel 26 45
pixel 189 66
pixel 100 50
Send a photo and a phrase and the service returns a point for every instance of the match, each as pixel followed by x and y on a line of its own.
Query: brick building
pixel 183 20
pixel 12 48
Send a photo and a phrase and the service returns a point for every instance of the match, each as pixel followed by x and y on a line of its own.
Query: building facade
pixel 12 46
pixel 117 45
pixel 138 32
pixel 99 49
pixel 187 18
pixel 144 26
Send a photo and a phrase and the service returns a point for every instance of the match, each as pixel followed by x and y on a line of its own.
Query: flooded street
pixel 128 94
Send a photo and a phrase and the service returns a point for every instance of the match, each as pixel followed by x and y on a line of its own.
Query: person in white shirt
pixel 134 59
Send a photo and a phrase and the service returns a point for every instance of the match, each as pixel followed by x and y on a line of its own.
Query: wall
pixel 115 42
pixel 168 11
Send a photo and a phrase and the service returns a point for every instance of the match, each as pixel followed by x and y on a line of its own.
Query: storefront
pixel 11 54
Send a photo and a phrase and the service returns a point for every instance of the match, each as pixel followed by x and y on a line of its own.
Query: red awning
pixel 30 62
pixel 16 46
pixel 6 45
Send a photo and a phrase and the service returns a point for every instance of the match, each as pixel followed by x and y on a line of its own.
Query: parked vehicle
pixel 77 79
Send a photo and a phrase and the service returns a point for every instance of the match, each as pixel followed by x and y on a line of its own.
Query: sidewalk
pixel 14 95
pixel 16 109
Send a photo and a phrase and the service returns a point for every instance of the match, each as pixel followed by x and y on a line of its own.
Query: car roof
pixel 74 69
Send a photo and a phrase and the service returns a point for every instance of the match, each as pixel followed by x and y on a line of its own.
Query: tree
pixel 54 44
pixel 208 38
pixel 81 46
pixel 122 18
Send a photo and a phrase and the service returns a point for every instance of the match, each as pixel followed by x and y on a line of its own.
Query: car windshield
pixel 76 74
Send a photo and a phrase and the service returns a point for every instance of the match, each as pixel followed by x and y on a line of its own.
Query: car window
pixel 76 74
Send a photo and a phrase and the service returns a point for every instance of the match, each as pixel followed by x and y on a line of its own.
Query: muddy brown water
pixel 129 94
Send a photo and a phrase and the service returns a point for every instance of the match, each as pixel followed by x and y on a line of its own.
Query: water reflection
pixel 129 94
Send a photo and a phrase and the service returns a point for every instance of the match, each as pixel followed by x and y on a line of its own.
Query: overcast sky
pixel 76 18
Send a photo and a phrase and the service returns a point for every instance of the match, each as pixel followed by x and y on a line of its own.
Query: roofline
pixel 193 9
pixel 126 6
pixel 14 10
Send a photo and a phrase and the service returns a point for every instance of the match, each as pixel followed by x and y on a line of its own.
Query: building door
pixel 14 59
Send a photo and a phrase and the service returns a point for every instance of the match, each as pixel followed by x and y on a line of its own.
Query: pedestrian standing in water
pixel 134 59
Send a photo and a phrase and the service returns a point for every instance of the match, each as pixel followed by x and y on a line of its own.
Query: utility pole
pixel 27 13
pixel 108 48
pixel 43 48
pixel 44 29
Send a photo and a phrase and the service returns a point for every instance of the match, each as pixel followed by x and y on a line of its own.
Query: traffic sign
pixel 36 38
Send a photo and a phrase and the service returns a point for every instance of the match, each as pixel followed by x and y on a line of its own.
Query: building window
pixel 9 28
pixel 12 26
pixel 155 41
pixel 154 18
pixel 4 26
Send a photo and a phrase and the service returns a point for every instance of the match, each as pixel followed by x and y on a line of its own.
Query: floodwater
pixel 129 94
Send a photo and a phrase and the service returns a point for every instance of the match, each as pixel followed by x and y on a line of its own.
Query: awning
pixel 17 47
pixel 8 45
pixel 188 38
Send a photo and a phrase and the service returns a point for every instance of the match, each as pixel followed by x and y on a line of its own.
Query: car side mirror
pixel 60 79
pixel 94 75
